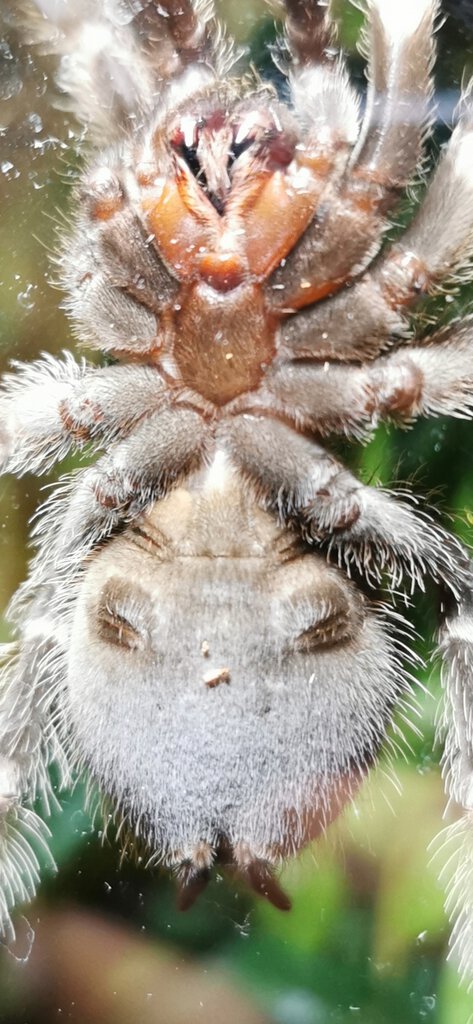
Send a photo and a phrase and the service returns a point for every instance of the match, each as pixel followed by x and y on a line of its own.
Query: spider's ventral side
pixel 207 628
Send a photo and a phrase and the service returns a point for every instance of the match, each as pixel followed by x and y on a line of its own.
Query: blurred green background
pixel 366 939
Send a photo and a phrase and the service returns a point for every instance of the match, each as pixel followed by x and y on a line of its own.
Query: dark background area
pixel 366 940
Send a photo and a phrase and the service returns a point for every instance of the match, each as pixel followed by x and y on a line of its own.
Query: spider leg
pixel 51 405
pixel 456 729
pixel 159 451
pixel 29 744
pixel 438 245
pixel 325 104
pixel 345 234
pixel 362 321
pixel 431 379
pixel 118 62
pixel 309 31
pixel 137 470
pixel 364 527
pixel 116 283
pixel 186 23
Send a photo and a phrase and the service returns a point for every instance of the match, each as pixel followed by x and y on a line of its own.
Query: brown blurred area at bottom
pixel 85 969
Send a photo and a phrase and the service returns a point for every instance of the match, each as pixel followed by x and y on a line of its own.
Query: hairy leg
pixel 362 526
pixel 136 470
pixel 116 67
pixel 438 245
pixel 456 730
pixel 327 118
pixel 96 501
pixel 116 282
pixel 360 322
pixel 431 379
pixel 345 235
pixel 185 23
pixel 29 744
pixel 324 101
pixel 51 405
pixel 309 31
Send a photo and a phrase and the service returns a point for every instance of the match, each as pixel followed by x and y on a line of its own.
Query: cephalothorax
pixel 182 636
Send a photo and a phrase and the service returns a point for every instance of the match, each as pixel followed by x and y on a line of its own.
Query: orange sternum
pixel 222 342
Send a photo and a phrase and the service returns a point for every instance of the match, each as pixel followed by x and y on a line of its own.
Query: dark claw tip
pixel 261 879
pixel 190 884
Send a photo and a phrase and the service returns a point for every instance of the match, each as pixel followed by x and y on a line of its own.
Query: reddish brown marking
pixel 146 174
pixel 108 493
pixel 132 355
pixel 346 518
pixel 79 432
pixel 319 163
pixel 216 121
pixel 104 208
pixel 103 193
pixel 347 515
pixel 365 203
pixel 403 391
pixel 279 150
pixel 370 191
pixel 403 276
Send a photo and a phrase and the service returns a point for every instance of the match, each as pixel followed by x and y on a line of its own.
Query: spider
pixel 207 627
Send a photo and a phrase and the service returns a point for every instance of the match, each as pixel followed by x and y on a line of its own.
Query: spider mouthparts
pixel 259 875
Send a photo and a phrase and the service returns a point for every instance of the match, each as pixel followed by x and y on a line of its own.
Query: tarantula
pixel 183 635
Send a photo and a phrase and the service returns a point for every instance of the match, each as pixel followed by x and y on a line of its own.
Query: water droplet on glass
pixel 26 298
pixel 9 169
pixel 41 83
pixel 20 948
pixel 427 1006
pixel 10 78
pixel 34 123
